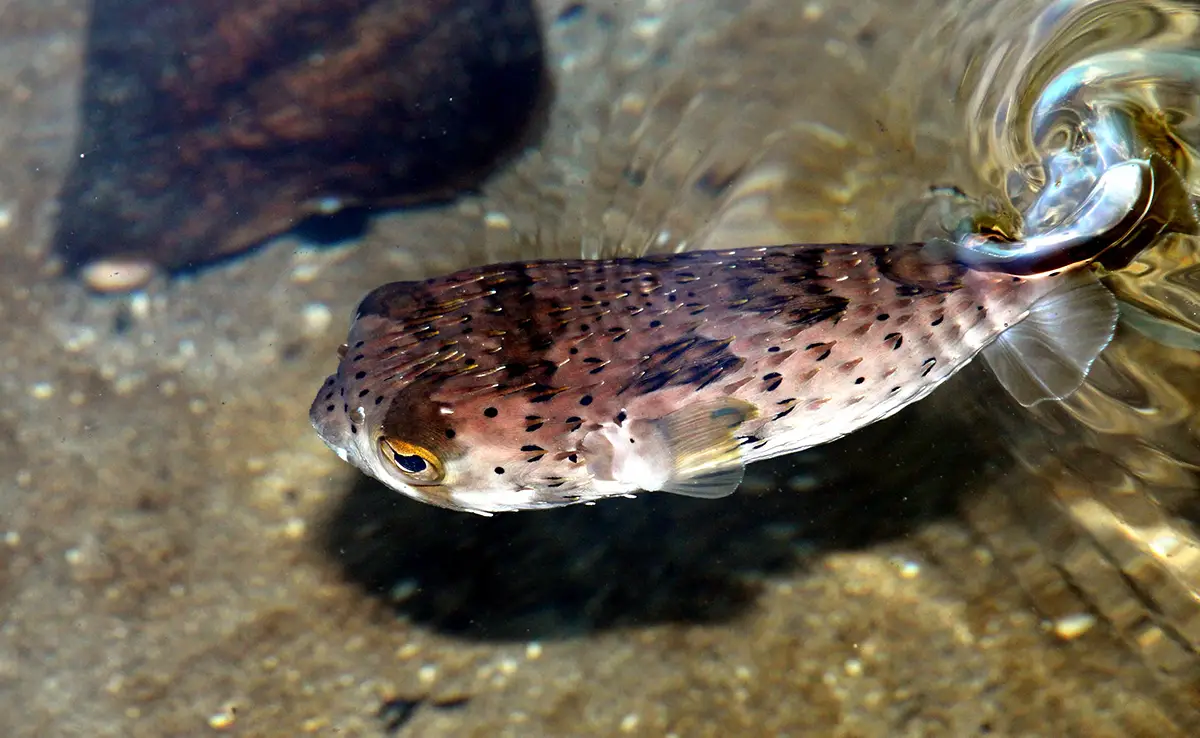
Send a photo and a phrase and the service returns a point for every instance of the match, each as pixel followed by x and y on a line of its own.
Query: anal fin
pixel 706 458
pixel 1047 355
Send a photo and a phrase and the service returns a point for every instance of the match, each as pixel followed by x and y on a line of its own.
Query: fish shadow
pixel 656 558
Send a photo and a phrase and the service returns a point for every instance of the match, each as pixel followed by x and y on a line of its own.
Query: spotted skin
pixel 502 372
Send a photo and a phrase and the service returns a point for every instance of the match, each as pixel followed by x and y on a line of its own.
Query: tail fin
pixel 1048 355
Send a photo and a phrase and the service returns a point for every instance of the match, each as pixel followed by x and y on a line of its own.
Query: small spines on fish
pixel 529 358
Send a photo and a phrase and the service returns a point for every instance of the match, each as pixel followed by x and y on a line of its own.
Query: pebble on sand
pixel 118 275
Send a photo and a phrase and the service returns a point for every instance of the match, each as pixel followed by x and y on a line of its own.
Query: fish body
pixel 531 385
pixel 545 383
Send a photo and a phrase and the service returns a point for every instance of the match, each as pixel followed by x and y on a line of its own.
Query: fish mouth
pixel 323 414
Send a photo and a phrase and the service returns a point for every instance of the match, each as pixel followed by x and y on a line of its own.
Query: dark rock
pixel 210 125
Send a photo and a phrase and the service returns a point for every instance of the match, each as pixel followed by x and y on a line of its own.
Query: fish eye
pixel 418 464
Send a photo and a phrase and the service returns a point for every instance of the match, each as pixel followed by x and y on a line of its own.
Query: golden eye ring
pixel 418 465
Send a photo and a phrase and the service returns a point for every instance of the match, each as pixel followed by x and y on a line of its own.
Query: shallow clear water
pixel 181 555
pixel 1107 489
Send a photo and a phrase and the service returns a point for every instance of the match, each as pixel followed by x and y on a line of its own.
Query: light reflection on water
pixel 1102 513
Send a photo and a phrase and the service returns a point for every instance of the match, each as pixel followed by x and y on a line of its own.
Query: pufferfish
pixel 546 383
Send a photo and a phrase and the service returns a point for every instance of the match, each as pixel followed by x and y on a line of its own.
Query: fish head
pixel 459 455
pixel 438 442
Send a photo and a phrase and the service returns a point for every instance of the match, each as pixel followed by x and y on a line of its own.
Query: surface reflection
pixel 1100 515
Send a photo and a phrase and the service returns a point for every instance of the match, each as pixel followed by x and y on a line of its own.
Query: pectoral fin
pixel 1048 355
pixel 705 453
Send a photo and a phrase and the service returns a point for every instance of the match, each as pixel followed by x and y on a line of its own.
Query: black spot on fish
pixel 573 458
pixel 353 429
pixel 379 399
pixel 360 375
pixel 360 344
pixel 895 338
pixel 773 350
pixel 621 417
pixel 490 412
pixel 928 364
pixel 882 316
pixel 499 470
pixel 655 323
pixel 773 381
pixel 585 400
pixel 938 320
pixel 364 393
pixel 831 308
pixel 532 428
pixel 860 380
pixel 330 408
pixel 784 414
pixel 544 392
pixel 824 354
pixel 450 433
pixel 653 382
pixel 532 448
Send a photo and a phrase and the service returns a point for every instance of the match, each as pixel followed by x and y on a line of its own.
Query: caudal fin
pixel 1048 355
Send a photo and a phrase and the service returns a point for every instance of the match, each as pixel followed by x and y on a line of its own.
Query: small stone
pixel 427 674
pixel 317 318
pixel 223 719
pixel 295 528
pixel 118 275
pixel 1073 626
